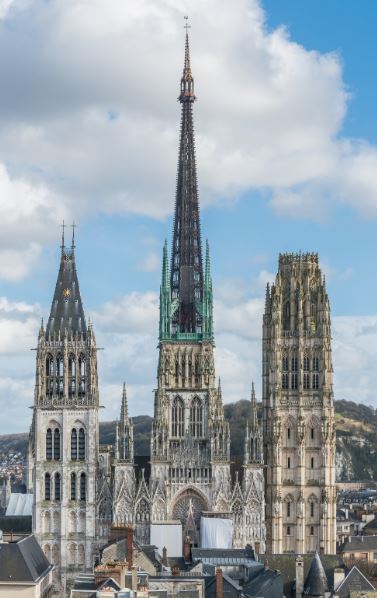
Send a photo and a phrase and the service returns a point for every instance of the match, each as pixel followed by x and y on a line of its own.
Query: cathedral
pixel 81 489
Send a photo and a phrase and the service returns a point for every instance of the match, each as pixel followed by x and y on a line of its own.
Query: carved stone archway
pixel 188 508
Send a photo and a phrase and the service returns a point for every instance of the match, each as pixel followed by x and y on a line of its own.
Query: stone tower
pixel 298 412
pixel 64 433
pixel 190 460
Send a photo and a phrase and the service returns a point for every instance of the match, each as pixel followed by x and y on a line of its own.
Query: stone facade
pixel 63 446
pixel 298 411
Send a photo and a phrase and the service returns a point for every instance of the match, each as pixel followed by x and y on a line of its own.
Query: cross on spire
pixel 186 26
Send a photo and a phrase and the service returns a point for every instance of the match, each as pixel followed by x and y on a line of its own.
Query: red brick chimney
pixel 130 545
pixel 164 556
pixel 219 583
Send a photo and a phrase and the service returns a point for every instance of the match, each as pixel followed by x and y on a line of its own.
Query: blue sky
pixel 287 161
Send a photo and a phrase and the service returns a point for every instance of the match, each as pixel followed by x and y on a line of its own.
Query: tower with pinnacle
pixel 190 443
pixel 64 434
pixel 298 411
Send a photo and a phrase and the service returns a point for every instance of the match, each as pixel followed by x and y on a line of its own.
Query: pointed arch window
pixel 289 508
pixel 81 444
pixel 315 363
pixel 57 444
pixel 50 375
pixel 73 486
pixel 49 444
pixel 71 375
pixel 47 486
pixel 83 487
pixel 74 444
pixel 315 381
pixel 178 412
pixel 82 375
pixel 57 488
pixel 196 418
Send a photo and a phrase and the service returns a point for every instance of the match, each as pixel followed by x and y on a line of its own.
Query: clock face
pixel 66 293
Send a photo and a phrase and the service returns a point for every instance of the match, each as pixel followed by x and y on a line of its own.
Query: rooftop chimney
pixel 130 544
pixel 164 556
pixel 299 576
pixel 219 583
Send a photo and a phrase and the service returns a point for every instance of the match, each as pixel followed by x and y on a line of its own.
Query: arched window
pixel 57 444
pixel 82 444
pixel 286 316
pixel 57 487
pixel 315 363
pixel 47 486
pixel 196 418
pixel 285 379
pixel 83 486
pixel 306 381
pixel 315 381
pixel 49 375
pixel 59 365
pixel 284 363
pixel 294 362
pixel 312 508
pixel 82 375
pixel 49 444
pixel 178 411
pixel 289 508
pixel 74 444
pixel 71 375
pixel 73 486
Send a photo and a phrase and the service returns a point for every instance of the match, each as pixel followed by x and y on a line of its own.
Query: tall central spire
pixel 186 274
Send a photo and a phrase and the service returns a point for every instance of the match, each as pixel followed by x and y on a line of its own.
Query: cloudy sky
pixel 287 160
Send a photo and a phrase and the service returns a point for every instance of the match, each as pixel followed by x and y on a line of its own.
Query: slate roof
pixel 316 583
pixel 355 581
pixel 267 583
pixel 23 561
pixel 231 587
pixel 231 556
pixel 286 565
pixel 16 523
pixel 67 312
pixel 359 543
pixel 371 526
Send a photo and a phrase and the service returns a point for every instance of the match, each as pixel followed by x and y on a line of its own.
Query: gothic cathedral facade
pixel 298 410
pixel 80 489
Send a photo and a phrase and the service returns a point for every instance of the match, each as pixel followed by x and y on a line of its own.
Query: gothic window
pixel 288 433
pixel 82 374
pixel 312 508
pixel 49 375
pixel 284 364
pixel 57 486
pixel 286 316
pixel 60 374
pixel 315 363
pixel 81 444
pixel 71 375
pixel 47 486
pixel 73 486
pixel 142 511
pixel 285 379
pixel 289 508
pixel 57 444
pixel 315 381
pixel 83 487
pixel 49 444
pixel 289 463
pixel 306 381
pixel 196 418
pixel 312 462
pixel 74 444
pixel 294 362
pixel 312 433
pixel 306 363
pixel 178 412
pixel 294 381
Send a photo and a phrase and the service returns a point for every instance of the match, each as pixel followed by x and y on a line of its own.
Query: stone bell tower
pixel 298 411
pixel 64 433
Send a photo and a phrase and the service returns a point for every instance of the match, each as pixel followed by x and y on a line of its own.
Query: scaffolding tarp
pixel 216 532
pixel 169 536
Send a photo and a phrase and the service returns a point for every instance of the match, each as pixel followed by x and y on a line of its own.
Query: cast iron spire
pixel 186 273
